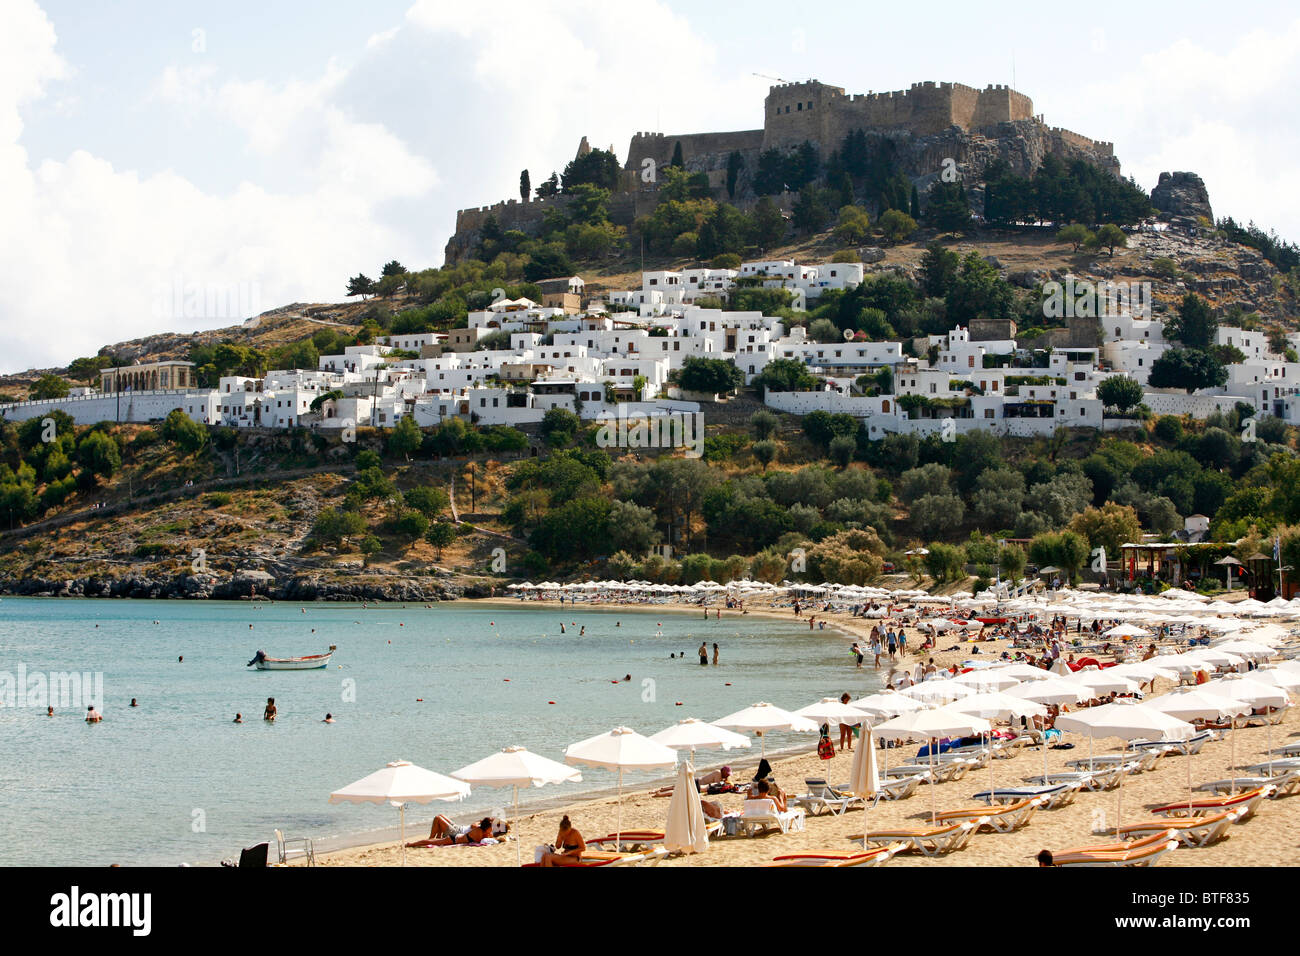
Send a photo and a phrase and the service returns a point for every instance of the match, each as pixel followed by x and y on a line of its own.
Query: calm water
pixel 175 780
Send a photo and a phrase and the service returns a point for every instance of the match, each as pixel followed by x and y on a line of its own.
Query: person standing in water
pixel 271 710
pixel 715 655
pixel 704 654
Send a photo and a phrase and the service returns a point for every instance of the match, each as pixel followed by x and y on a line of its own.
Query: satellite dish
pixel 848 335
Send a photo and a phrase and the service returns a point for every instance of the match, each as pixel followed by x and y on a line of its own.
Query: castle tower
pixel 583 148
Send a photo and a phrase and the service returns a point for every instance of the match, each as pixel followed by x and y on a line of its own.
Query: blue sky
pixel 261 153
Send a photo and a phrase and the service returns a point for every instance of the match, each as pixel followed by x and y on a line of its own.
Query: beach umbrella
pixel 1198 703
pixel 1104 682
pixel 864 780
pixel 1023 672
pixel 693 734
pixel 399 783
pixel 1288 680
pixel 937 691
pixel 829 710
pixel 998 706
pixel 931 725
pixel 1128 720
pixel 620 749
pixel 889 703
pixel 517 767
pixel 1126 630
pixel 763 718
pixel 1254 694
pixel 686 830
pixel 987 680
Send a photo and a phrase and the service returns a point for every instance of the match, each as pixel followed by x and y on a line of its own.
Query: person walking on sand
pixel 846 730
pixel 704 654
pixel 875 648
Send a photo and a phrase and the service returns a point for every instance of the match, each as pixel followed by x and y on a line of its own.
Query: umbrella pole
pixel 934 813
pixel 519 849
pixel 618 834
pixel 1232 748
pixel 401 815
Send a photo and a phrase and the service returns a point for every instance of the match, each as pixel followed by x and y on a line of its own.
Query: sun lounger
pixel 1115 846
pixel 1004 819
pixel 1141 856
pixel 759 816
pixel 1290 750
pixel 1284 785
pixel 285 847
pixel 873 857
pixel 909 770
pixel 1275 716
pixel 1248 802
pixel 930 841
pixel 1138 762
pixel 1103 778
pixel 1276 768
pixel 899 789
pixel 822 797
pixel 1189 747
pixel 1191 831
pixel 1057 795
pixel 976 758
pixel 593 858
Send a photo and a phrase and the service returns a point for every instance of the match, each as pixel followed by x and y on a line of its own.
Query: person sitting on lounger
pixel 568 848
pixel 770 791
pixel 445 833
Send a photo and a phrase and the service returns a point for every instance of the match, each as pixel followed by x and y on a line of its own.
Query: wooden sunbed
pixel 1142 856
pixel 873 857
pixel 1002 819
pixel 1247 802
pixel 929 841
pixel 1191 831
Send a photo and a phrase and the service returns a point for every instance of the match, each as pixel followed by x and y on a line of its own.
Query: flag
pixel 1277 549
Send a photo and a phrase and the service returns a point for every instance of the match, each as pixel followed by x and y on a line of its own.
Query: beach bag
pixel 825 749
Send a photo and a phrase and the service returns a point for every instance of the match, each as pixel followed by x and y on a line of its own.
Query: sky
pixel 182 166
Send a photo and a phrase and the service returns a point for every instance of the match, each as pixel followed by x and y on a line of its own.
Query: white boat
pixel 310 662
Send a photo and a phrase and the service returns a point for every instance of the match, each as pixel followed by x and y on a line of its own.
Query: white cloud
pixel 1224 113
pixel 93 253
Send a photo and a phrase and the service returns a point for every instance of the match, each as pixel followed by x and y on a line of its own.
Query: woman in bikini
pixel 569 847
pixel 445 833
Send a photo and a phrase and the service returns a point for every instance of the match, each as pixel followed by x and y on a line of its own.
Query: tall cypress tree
pixel 677 156
pixel 916 204
pixel 525 186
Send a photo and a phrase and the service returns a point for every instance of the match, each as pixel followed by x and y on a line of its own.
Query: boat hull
pixel 314 662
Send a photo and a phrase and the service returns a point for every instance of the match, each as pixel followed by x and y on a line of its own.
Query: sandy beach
pixel 1270 838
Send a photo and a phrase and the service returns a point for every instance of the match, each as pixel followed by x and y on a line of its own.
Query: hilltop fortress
pixel 928 123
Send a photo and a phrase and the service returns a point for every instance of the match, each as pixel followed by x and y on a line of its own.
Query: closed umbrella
pixel 400 783
pixel 687 830
pixel 864 779
pixel 517 767
pixel 763 718
pixel 620 749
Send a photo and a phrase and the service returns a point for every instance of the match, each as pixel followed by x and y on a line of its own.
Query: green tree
pixel 334 526
pixel 525 186
pixel 1075 234
pixel 99 454
pixel 361 285
pixel 597 168
pixel 842 449
pixel 764 424
pixel 1195 325
pixel 764 452
pixel 559 426
pixel 441 534
pixel 1120 392
pixel 769 225
pixel 854 225
pixel 895 226
pixel 1110 236
pixel 405 437
pixel 183 432
pixel 1188 369
pixel 428 500
pixel 711 376
pixel 48 387
pixel 948 207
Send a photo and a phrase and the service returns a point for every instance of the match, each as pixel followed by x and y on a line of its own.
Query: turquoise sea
pixel 174 780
